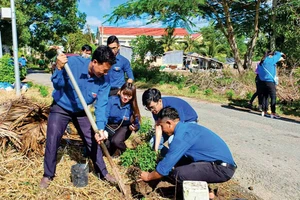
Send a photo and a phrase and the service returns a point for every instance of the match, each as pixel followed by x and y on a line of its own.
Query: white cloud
pixel 105 5
pixel 93 21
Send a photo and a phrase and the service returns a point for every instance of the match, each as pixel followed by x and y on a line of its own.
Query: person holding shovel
pixel 66 107
pixel 123 117
pixel 195 154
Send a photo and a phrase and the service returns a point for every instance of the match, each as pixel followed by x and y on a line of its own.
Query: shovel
pixel 95 128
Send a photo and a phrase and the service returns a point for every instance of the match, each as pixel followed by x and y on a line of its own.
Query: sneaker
pixel 110 179
pixel 260 108
pixel 265 114
pixel 275 116
pixel 45 181
pixel 249 105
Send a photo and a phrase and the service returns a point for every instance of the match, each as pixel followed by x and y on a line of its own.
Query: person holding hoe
pixel 66 106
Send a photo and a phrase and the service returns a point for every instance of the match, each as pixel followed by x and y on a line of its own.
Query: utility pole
pixel 0 46
pixel 15 48
pixel 90 34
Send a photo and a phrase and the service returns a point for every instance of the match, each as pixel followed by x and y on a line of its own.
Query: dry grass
pixel 20 178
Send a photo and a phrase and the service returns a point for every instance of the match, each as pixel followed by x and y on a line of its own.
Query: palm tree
pixel 168 40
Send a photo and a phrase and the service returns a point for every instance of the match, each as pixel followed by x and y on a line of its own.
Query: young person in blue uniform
pixel 152 101
pixel 267 74
pixel 86 51
pixel 123 117
pixel 66 107
pixel 117 72
pixel 196 153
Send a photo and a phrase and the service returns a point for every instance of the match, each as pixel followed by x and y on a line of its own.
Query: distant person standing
pixel 267 75
pixel 22 61
pixel 257 92
pixel 117 72
pixel 86 51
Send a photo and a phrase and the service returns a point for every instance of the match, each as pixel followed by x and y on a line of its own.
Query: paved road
pixel 267 151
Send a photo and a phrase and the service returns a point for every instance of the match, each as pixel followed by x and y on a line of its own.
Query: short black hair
pixel 86 47
pixel 151 94
pixel 168 112
pixel 104 54
pixel 111 39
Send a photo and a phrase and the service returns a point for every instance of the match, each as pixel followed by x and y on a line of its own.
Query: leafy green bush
pixel 7 70
pixel 153 75
pixel 143 157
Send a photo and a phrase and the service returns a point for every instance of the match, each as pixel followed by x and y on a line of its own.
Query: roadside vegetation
pixel 223 86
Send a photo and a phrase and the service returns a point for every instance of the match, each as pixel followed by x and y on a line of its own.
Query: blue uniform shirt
pixel 197 143
pixel 92 89
pixel 116 113
pixel 22 61
pixel 185 111
pixel 270 64
pixel 117 72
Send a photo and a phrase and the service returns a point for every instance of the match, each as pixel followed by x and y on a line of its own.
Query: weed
pixel 180 86
pixel 208 92
pixel 193 88
pixel 42 89
pixel 230 93
pixel 249 95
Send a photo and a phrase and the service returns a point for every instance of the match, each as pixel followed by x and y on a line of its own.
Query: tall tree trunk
pixel 252 42
pixel 273 35
pixel 230 36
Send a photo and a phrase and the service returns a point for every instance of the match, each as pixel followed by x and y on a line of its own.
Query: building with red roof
pixel 125 35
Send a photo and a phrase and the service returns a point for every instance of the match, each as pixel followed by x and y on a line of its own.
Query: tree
pixel 168 40
pixel 232 17
pixel 214 44
pixel 42 22
pixel 145 44
pixel 74 41
pixel 191 44
pixel 287 29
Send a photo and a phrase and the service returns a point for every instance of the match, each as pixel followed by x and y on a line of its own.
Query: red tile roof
pixel 141 31
pixel 196 35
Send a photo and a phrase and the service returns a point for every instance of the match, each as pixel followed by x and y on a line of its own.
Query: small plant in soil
pixel 142 157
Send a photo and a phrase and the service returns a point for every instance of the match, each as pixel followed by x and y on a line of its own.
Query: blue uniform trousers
pixel 57 122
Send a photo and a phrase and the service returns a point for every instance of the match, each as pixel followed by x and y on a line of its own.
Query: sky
pixel 95 11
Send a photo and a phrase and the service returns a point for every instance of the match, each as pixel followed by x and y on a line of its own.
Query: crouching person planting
pixel 195 154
